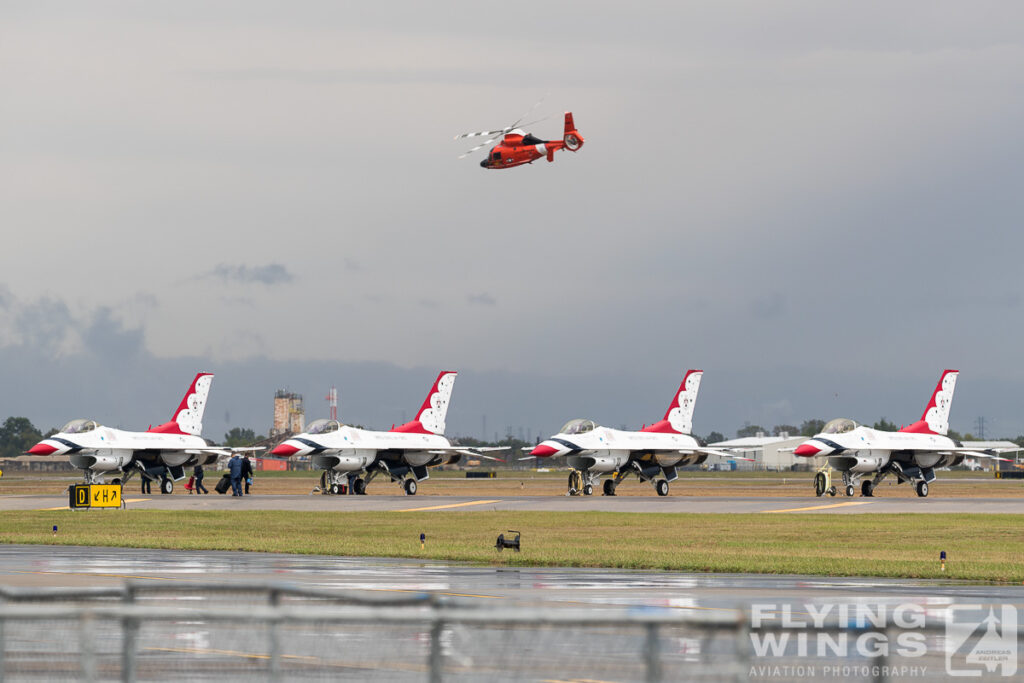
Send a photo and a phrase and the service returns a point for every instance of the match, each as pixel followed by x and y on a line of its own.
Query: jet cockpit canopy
pixel 323 426
pixel 578 426
pixel 840 425
pixel 79 427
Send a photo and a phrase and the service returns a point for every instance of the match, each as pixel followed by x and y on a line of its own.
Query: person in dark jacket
pixel 235 470
pixel 198 474
pixel 246 473
pixel 147 484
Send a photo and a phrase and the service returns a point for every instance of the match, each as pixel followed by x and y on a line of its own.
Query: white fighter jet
pixel 592 450
pixel 168 448
pixel 351 453
pixel 911 454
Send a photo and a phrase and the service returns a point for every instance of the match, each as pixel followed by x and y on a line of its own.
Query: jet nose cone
pixel 284 450
pixel 543 451
pixel 806 449
pixel 42 448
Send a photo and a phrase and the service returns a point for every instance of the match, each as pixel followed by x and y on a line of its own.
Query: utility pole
pixel 980 427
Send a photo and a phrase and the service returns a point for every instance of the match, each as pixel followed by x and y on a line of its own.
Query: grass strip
pixel 980 547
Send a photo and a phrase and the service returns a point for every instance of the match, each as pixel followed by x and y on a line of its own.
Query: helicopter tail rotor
pixel 572 138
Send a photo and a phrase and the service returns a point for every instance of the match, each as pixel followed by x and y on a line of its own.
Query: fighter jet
pixel 166 449
pixel 403 454
pixel 910 454
pixel 591 450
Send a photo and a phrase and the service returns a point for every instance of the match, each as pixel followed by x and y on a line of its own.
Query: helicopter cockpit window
pixel 840 425
pixel 323 426
pixel 496 156
pixel 78 427
pixel 577 427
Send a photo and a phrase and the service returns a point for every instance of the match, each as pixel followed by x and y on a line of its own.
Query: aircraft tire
pixel 115 481
pixel 167 486
pixel 661 486
pixel 335 489
pixel 922 489
pixel 849 490
pixel 588 490
pixel 832 491
pixel 609 487
pixel 410 487
pixel 867 489
pixel 819 484
pixel 359 486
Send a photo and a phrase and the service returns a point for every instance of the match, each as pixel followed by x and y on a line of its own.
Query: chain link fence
pixel 261 632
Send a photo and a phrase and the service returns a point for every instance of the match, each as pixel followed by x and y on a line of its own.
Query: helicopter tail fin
pixel 572 138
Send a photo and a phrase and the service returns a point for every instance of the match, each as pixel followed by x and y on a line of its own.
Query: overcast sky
pixel 817 203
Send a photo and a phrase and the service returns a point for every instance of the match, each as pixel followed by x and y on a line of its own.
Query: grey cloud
pixel 107 338
pixel 44 325
pixel 270 274
pixel 769 306
pixel 482 299
pixel 428 303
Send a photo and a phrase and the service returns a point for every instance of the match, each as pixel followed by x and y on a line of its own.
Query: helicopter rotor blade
pixel 483 132
pixel 527 113
pixel 483 144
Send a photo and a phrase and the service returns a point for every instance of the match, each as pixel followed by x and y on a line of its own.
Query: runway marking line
pixel 824 507
pixel 453 505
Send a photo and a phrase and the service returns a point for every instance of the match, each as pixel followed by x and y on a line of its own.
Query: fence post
pixel 87 655
pixel 3 647
pixel 436 655
pixel 652 653
pixel 275 644
pixel 743 644
pixel 129 633
pixel 882 660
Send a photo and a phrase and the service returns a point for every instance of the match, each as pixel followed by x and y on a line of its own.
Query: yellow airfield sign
pixel 94 496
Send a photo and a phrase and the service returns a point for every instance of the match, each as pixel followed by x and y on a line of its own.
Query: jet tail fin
pixel 679 416
pixel 936 415
pixel 680 411
pixel 188 418
pixel 432 413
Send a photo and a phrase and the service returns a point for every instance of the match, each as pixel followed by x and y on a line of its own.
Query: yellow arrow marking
pixel 824 507
pixel 453 505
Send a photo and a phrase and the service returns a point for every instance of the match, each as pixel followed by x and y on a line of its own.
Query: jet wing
pixel 716 451
pixel 471 451
pixel 975 453
pixel 215 450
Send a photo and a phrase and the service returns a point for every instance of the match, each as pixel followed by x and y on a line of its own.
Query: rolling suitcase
pixel 223 485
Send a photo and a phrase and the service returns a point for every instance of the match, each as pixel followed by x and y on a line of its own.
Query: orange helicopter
pixel 518 147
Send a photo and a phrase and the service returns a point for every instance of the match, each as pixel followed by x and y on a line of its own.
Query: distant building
pixel 768 452
pixel 289 415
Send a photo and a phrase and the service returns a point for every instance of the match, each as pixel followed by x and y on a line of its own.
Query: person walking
pixel 147 485
pixel 199 474
pixel 247 473
pixel 235 470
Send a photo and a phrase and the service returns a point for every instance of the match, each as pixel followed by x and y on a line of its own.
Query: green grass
pixel 980 547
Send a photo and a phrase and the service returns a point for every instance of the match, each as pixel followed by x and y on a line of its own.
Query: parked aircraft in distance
pixel 910 454
pixel 170 447
pixel 657 449
pixel 403 454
